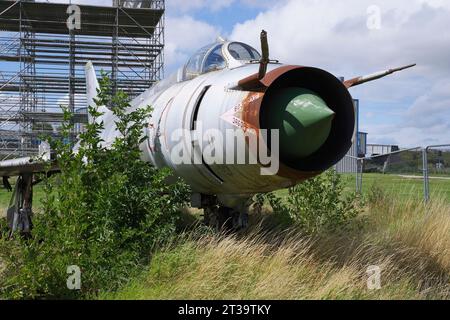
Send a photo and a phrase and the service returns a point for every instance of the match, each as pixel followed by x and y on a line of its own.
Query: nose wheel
pixel 222 218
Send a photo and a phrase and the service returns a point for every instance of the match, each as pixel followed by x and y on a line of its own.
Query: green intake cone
pixel 304 121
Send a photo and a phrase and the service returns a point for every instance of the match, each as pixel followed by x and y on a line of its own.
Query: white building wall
pixel 349 163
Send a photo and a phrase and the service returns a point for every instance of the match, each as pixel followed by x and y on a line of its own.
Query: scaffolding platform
pixel 95 20
pixel 42 61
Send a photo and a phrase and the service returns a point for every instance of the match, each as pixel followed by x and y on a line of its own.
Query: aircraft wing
pixel 39 163
pixel 45 158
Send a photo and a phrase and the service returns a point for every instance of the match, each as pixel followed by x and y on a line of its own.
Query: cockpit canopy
pixel 217 56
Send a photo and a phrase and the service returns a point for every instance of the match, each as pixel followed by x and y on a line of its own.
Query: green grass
pixel 402 187
pixel 412 250
pixel 397 186
pixel 5 198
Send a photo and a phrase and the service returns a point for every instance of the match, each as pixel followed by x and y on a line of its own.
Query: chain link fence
pixel 420 173
pixel 436 171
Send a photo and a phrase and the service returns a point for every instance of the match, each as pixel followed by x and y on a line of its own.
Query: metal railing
pixel 431 163
pixel 444 166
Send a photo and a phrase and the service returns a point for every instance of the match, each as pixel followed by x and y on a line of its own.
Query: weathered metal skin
pixel 176 107
pixel 234 99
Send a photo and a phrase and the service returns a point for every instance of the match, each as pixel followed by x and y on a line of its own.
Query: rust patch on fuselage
pixel 250 111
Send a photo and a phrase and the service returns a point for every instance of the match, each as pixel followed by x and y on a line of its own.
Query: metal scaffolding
pixel 42 62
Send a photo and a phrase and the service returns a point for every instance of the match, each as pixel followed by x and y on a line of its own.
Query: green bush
pixel 318 204
pixel 103 213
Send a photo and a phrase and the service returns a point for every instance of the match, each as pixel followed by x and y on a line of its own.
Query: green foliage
pixel 104 212
pixel 377 196
pixel 258 202
pixel 318 204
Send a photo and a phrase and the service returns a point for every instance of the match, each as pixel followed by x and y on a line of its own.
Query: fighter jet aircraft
pixel 294 122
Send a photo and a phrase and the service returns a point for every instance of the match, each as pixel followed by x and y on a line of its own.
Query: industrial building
pixel 42 61
pixel 349 164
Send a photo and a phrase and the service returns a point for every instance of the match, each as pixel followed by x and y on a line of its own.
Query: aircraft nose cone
pixel 304 121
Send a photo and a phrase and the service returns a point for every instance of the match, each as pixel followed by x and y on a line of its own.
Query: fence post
pixel 359 173
pixel 426 182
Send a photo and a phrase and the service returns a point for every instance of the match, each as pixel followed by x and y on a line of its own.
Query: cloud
pixel 370 115
pixel 183 36
pixel 183 6
pixel 426 121
pixel 334 35
pixel 431 110
pixel 192 5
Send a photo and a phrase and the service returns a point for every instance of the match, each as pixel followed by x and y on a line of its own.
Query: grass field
pixel 5 198
pixel 405 187
pixel 408 241
pixel 399 186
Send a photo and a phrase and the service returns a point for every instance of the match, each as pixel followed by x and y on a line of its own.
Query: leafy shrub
pixel 104 212
pixel 258 202
pixel 318 204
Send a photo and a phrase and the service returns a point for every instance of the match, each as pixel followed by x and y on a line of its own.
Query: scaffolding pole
pixel 42 62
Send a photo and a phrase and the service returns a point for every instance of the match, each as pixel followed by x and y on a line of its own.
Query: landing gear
pixel 220 217
pixel 223 218
pixel 19 212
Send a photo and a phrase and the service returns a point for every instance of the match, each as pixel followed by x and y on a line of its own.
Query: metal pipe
pixel 426 182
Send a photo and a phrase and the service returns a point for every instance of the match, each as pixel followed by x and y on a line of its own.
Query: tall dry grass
pixel 409 241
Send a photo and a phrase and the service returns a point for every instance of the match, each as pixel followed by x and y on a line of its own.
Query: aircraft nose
pixel 304 121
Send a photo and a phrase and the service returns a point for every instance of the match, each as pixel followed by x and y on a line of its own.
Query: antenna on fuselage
pixel 265 60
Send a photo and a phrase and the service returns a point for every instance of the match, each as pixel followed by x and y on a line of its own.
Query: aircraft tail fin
pixel 92 86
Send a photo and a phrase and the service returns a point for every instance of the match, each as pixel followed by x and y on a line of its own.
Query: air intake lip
pixel 336 97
